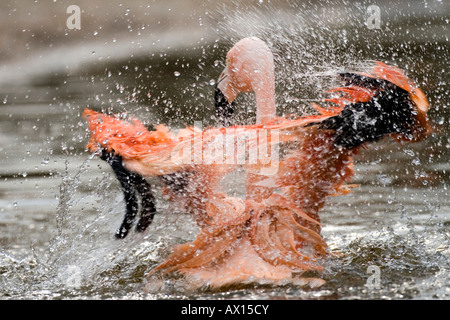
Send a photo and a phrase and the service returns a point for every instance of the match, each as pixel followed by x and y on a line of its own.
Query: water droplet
pixel 212 82
pixel 176 74
pixel 45 161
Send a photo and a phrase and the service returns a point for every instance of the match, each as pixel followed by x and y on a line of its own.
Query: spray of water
pixel 398 227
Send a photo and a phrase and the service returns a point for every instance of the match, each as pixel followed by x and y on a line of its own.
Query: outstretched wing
pixel 370 106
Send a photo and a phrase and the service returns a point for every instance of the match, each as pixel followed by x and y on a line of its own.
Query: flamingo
pixel 277 237
pixel 273 235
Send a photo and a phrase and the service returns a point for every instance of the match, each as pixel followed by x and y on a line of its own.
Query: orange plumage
pixel 274 236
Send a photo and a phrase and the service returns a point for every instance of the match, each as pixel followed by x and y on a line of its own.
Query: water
pixel 59 206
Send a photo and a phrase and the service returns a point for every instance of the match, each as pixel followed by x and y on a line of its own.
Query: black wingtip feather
pixel 133 186
pixel 389 111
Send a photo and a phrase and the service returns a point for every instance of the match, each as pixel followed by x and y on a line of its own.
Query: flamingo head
pixel 249 67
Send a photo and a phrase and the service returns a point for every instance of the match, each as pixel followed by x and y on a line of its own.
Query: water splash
pixel 410 244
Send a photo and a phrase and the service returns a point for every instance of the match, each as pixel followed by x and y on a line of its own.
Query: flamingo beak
pixel 224 108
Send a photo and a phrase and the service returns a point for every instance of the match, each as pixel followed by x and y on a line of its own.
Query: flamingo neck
pixel 265 102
